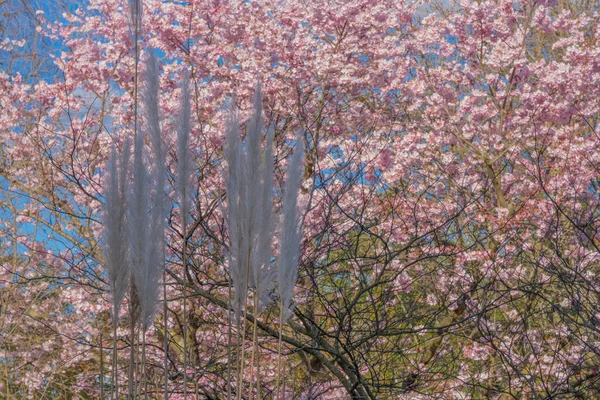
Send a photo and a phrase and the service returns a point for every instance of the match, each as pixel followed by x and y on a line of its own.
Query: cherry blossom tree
pixel 450 199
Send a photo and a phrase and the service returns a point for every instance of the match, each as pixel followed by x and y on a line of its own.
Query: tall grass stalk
pixel 184 189
pixel 134 314
pixel 254 362
pixel 233 214
pixel 278 384
pixel 165 338
pixel 101 365
pixel 263 273
pixel 289 242
pixel 115 241
pixel 135 9
pixel 241 351
pixel 148 208
pixel 229 343
pixel 157 204
pixel 250 223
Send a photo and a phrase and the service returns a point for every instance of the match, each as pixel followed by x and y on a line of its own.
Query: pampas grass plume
pixel 291 230
pixel 184 157
pixel 234 215
pixel 148 201
pixel 115 232
pixel 250 206
pixel 139 224
pixel 135 15
pixel 264 273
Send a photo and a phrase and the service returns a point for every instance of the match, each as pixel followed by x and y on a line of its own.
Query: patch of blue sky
pixel 452 39
pixel 37 231
pixel 46 227
pixel 363 58
pixel 23 26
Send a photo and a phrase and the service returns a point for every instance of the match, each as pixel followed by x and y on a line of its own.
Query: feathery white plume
pixel 159 200
pixel 135 15
pixel 151 110
pixel 291 229
pixel 233 154
pixel 139 223
pixel 252 182
pixel 115 232
pixel 184 157
pixel 159 155
pixel 263 271
pixel 250 206
pixel 148 202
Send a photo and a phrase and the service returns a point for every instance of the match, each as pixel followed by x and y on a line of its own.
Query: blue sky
pixel 32 61
pixel 19 20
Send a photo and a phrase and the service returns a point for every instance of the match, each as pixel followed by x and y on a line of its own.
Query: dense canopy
pixel 449 198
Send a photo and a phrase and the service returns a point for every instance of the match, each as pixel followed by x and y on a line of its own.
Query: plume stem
pixel 136 12
pixel 255 361
pixel 229 343
pixel 115 386
pixel 165 338
pixel 278 393
pixel 185 327
pixel 184 189
pixel 101 365
pixel 144 371
pixel 130 387
pixel 240 371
